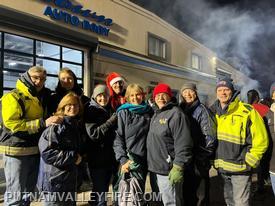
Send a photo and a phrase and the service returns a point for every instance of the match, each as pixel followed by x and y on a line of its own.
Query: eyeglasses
pixel 36 78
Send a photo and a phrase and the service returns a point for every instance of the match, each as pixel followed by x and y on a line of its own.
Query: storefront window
pixel 17 62
pixel 18 43
pixel 51 82
pixel 20 55
pixel 10 78
pixel 77 69
pixel 44 49
pixel 52 67
pixel 71 55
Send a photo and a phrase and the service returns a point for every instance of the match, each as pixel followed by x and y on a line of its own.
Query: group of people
pixel 46 136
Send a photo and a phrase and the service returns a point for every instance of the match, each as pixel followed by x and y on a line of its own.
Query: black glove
pixel 113 120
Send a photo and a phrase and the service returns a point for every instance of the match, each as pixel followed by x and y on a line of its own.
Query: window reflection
pixel 51 82
pixel 18 43
pixel 10 78
pixel 71 55
pixel 19 57
pixel 17 62
pixel 52 67
pixel 44 49
pixel 75 68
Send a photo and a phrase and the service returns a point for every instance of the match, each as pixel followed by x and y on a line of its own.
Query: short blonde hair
pixel 67 99
pixel 38 69
pixel 135 88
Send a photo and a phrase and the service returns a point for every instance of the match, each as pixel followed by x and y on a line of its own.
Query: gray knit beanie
pixel 189 86
pixel 99 89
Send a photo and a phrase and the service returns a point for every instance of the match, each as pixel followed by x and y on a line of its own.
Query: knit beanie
pixel 99 89
pixel 225 82
pixel 189 86
pixel 162 88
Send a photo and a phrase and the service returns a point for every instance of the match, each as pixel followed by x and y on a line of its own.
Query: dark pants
pixel 196 188
pixel 101 180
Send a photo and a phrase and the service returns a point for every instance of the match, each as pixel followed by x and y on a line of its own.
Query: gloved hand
pixel 175 174
pixel 125 168
pixel 113 119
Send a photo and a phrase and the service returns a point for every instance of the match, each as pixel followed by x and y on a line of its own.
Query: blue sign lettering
pixel 60 15
pixel 78 9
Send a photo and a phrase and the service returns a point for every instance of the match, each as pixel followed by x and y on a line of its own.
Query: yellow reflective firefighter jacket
pixel 242 138
pixel 23 126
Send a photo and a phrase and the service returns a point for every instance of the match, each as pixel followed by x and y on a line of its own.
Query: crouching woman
pixel 59 149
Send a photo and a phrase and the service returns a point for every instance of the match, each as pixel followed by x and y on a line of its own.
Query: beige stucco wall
pixel 131 25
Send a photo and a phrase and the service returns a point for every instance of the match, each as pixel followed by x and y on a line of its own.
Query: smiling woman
pixel 60 149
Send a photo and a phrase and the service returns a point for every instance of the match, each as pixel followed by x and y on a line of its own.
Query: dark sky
pixel 241 32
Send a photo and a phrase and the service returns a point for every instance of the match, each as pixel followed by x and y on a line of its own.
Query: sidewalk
pixel 216 191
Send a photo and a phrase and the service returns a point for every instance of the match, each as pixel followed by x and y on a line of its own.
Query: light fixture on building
pixel 12 63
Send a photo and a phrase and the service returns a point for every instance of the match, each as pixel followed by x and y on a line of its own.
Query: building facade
pixel 96 37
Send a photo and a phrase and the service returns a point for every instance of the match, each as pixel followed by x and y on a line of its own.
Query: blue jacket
pixel 131 133
pixel 59 146
pixel 203 131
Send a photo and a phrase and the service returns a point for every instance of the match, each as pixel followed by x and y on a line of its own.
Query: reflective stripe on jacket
pixel 242 138
pixel 24 127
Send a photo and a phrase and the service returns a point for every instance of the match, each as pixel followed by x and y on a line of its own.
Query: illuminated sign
pixel 72 17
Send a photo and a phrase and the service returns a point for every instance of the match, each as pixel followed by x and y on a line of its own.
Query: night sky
pixel 241 32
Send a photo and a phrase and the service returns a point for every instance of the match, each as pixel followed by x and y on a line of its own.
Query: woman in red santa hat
pixel 116 86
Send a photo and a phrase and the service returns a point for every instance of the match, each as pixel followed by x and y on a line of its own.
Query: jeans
pixel 21 177
pixel 171 195
pixel 237 189
pixel 101 180
pixel 272 178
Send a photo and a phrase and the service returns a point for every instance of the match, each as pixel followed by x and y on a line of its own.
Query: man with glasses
pixel 23 121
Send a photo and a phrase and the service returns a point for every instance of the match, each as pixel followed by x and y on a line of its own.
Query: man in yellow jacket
pixel 23 121
pixel 242 141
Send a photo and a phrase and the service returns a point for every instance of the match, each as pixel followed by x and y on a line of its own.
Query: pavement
pixel 216 191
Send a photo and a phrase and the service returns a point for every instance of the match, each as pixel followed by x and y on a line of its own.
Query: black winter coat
pixel 59 146
pixel 169 140
pixel 60 93
pixel 203 131
pixel 131 135
pixel 101 133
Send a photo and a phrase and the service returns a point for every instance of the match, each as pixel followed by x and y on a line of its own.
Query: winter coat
pixel 101 134
pixel 24 123
pixel 242 137
pixel 59 145
pixel 204 133
pixel 169 140
pixel 60 93
pixel 131 134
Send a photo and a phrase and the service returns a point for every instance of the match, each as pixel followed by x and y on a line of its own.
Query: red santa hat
pixel 113 78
